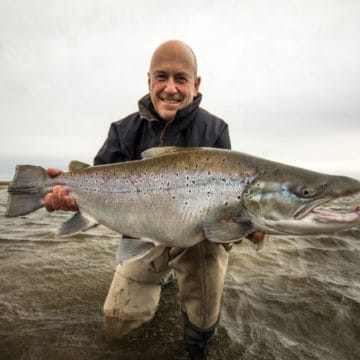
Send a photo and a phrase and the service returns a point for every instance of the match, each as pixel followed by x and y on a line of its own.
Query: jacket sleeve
pixel 223 141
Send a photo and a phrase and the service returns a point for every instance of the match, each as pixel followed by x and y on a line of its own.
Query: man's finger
pixel 54 172
pixel 48 202
pixel 70 203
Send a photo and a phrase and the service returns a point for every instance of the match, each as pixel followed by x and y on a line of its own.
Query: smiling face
pixel 173 81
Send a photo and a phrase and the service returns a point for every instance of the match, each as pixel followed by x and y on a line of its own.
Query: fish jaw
pixel 313 222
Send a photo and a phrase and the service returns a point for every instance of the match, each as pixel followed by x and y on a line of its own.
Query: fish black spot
pixel 239 197
pixel 209 172
pixel 226 203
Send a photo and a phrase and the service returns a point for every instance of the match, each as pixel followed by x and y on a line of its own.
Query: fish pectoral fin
pixel 131 249
pixel 77 223
pixel 227 230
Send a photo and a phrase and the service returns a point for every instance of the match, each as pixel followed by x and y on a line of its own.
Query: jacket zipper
pixel 162 133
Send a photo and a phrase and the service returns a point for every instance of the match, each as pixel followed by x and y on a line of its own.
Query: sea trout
pixel 178 197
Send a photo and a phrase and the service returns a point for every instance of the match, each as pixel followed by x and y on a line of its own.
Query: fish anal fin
pixel 154 253
pixel 77 223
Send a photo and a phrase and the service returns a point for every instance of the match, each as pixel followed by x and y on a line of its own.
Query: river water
pixel 297 298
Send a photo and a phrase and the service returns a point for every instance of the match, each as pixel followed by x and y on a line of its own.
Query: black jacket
pixel 192 126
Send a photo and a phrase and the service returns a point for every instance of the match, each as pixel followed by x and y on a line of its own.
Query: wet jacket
pixel 192 126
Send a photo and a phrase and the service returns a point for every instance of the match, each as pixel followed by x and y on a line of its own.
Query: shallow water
pixel 297 298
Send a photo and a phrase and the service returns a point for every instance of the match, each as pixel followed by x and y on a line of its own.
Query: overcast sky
pixel 284 74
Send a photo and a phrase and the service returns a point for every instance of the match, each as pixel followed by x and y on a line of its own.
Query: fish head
pixel 287 201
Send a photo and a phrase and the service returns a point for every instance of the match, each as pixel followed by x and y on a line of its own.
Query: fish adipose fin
pixel 77 165
pixel 131 249
pixel 227 230
pixel 78 223
pixel 25 190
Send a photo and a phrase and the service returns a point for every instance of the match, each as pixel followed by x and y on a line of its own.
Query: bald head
pixel 174 50
pixel 172 78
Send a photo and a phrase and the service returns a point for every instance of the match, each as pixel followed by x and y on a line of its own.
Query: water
pixel 297 298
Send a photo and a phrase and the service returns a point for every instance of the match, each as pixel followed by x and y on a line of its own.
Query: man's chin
pixel 167 115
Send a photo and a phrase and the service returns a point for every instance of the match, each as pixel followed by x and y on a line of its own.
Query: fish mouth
pixel 324 216
pixel 332 217
pixel 306 209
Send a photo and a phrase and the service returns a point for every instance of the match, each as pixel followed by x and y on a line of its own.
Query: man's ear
pixel 148 75
pixel 197 84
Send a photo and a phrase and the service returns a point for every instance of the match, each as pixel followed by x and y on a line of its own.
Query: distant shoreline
pixel 4 183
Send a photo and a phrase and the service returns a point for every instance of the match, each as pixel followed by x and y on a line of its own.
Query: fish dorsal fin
pixel 157 151
pixel 77 165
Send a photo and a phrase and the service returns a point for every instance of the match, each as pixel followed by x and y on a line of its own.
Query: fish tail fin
pixel 26 190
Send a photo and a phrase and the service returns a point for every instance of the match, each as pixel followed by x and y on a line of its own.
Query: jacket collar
pixel 147 110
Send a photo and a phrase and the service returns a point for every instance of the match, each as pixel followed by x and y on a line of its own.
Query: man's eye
pixel 160 77
pixel 182 79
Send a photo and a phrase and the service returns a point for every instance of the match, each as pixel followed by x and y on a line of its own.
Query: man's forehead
pixel 172 58
pixel 173 69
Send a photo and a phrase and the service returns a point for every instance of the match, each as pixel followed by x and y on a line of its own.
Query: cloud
pixel 284 75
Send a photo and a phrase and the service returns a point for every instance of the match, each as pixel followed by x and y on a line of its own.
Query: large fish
pixel 180 196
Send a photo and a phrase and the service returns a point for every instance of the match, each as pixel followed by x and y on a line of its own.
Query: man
pixel 169 115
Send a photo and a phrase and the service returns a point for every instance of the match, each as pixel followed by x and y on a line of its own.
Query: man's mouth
pixel 170 100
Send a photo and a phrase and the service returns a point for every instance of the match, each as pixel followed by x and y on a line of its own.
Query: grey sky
pixel 284 74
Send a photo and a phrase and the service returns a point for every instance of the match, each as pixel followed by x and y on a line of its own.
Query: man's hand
pixel 59 198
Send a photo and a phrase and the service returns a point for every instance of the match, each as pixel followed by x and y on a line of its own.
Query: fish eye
pixel 306 192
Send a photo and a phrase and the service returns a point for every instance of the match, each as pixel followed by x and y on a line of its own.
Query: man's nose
pixel 170 85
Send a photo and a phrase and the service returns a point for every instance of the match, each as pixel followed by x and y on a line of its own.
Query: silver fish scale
pixel 162 200
pixel 175 198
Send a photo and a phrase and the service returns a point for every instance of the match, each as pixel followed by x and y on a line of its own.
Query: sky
pixel 284 74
